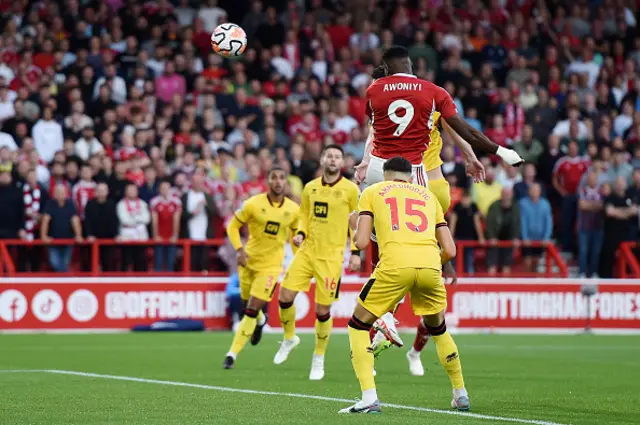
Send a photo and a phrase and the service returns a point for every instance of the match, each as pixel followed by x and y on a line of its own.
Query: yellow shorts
pixel 386 288
pixel 327 275
pixel 259 284
pixel 442 190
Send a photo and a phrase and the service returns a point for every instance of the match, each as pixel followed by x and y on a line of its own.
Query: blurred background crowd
pixel 118 121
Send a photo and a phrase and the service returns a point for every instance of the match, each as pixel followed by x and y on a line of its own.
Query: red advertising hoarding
pixel 545 305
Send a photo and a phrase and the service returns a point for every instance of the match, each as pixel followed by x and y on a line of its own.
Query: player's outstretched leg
pixel 362 360
pixel 386 324
pixel 413 355
pixel 324 325
pixel 288 321
pixel 243 333
pixel 450 359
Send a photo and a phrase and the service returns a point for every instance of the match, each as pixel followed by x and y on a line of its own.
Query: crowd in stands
pixel 118 121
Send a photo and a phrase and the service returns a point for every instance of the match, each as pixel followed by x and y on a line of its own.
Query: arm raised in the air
pixel 479 141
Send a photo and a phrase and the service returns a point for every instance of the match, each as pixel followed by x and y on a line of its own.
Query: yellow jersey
pixel 324 217
pixel 270 226
pixel 405 216
pixel 431 157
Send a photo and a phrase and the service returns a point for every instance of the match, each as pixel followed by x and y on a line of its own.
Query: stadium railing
pixel 184 252
pixel 554 265
pixel 628 265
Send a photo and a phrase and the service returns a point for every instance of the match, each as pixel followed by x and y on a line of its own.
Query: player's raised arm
pixel 474 168
pixel 476 139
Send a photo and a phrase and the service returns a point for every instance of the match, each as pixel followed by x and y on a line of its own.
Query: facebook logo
pixel 13 306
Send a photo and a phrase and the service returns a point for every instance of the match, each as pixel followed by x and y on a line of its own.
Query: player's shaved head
pixel 397 168
pixel 396 60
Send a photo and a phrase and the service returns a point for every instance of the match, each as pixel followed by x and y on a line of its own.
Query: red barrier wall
pixel 545 305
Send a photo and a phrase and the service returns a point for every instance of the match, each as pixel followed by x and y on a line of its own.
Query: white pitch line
pixel 294 395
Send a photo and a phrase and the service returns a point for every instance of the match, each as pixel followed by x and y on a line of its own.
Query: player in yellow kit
pixel 414 241
pixel 323 232
pixel 271 219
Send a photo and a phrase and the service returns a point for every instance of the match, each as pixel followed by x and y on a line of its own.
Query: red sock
pixel 422 336
pixel 372 333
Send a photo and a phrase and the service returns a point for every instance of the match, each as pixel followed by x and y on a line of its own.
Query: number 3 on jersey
pixel 409 210
pixel 402 121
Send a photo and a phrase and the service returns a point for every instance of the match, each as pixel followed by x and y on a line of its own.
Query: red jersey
pixel 166 208
pixel 401 109
pixel 82 193
pixel 569 171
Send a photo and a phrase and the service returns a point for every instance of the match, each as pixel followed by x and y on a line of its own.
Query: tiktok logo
pixel 47 305
pixel 13 306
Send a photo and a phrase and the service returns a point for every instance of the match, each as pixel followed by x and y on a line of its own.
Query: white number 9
pixel 403 121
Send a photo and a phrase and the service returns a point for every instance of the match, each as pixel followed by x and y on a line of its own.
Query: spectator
pixel 521 189
pixel 621 214
pixel 527 147
pixel 12 214
pixel 47 136
pixel 150 188
pixel 197 214
pixel 60 221
pixel 117 86
pixel 536 225
pixel 466 225
pixel 620 167
pixel 211 15
pixel 598 167
pixel 503 224
pixel 508 176
pixel 87 145
pixel 35 199
pixel 486 192
pixel 451 166
pixel 566 177
pixel 170 83
pixel 166 211
pixel 101 222
pixel 133 215
pixel 84 190
pixel 590 225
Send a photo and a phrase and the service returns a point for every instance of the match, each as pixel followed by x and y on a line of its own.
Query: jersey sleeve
pixel 353 206
pixel 303 222
pixel 368 111
pixel 365 206
pixel 440 221
pixel 243 214
pixel 444 103
pixel 296 218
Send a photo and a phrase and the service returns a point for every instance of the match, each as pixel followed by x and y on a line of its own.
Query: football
pixel 229 40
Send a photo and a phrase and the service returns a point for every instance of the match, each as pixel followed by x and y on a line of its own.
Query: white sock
pixel 318 357
pixel 232 355
pixel 369 396
pixel 388 316
pixel 462 392
pixel 413 353
pixel 262 320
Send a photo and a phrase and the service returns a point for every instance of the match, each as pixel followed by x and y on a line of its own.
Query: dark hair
pixel 378 72
pixel 333 146
pixel 395 52
pixel 398 164
pixel 275 168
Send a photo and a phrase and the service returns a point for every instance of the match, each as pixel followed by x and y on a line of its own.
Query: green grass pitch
pixel 577 380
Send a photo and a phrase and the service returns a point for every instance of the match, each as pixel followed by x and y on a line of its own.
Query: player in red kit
pixel 403 110
pixel 165 224
pixel 84 190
